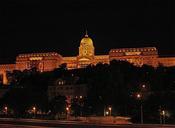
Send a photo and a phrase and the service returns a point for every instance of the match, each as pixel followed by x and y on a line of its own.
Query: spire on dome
pixel 86 34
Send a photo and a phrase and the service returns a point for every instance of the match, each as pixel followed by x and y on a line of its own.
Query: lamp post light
pixel 143 86
pixel 6 109
pixel 163 114
pixel 67 108
pixel 67 112
pixel 34 111
pixel 139 96
pixel 110 110
pixel 107 113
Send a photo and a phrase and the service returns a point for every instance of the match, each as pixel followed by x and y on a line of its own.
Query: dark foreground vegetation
pixel 120 85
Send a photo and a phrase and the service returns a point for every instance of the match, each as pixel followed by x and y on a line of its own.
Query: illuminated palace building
pixel 51 60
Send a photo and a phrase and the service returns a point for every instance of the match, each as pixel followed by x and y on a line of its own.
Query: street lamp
pixel 107 113
pixel 163 114
pixel 139 96
pixel 67 108
pixel 34 111
pixel 110 109
pixel 81 97
pixel 67 112
pixel 143 86
pixel 6 109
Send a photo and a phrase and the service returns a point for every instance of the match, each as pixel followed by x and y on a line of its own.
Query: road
pixel 31 123
pixel 18 126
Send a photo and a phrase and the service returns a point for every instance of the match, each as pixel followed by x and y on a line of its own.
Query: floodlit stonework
pixel 137 56
pixel 41 61
pixel 52 60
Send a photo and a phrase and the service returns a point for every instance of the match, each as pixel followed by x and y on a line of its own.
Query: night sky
pixel 36 26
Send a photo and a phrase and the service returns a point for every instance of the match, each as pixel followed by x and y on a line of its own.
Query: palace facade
pixel 52 60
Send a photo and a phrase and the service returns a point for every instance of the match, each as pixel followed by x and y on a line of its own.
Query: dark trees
pixel 115 84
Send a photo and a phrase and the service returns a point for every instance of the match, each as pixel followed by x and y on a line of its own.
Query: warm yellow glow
pixel 5 81
pixel 86 48
pixel 4 77
pixel 163 112
pixel 132 53
pixel 87 41
pixel 51 60
pixel 34 108
pixel 84 59
pixel 35 58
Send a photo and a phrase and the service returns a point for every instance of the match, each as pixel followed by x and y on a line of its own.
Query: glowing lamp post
pixel 67 108
pixel 139 96
pixel 107 113
pixel 6 109
pixel 67 112
pixel 143 86
pixel 34 111
pixel 81 97
pixel 163 114
pixel 110 110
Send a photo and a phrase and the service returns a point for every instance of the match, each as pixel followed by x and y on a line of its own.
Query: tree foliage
pixel 115 84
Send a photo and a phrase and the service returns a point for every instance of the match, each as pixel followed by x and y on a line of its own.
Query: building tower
pixel 86 51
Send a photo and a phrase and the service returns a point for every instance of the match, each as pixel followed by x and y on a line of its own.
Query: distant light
pixel 6 108
pixel 110 108
pixel 67 108
pixel 34 108
pixel 138 96
pixel 163 112
pixel 143 86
